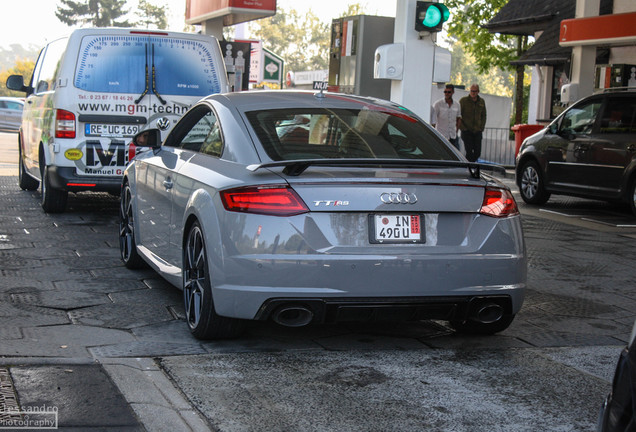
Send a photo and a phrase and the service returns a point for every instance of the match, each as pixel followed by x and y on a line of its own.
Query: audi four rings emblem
pixel 398 198
pixel 163 123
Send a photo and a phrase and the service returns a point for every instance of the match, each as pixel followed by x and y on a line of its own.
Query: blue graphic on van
pixel 126 64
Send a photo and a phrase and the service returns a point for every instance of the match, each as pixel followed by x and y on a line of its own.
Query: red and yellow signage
pixel 232 11
pixel 598 30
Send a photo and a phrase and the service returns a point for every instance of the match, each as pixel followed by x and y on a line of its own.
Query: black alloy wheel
pixel 127 245
pixel 202 319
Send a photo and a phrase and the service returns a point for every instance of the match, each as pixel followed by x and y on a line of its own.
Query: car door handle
pixel 168 184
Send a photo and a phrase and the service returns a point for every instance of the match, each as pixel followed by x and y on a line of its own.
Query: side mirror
pixel 16 82
pixel 553 128
pixel 148 138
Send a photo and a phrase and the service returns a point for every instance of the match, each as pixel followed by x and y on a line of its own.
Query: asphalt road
pixel 66 299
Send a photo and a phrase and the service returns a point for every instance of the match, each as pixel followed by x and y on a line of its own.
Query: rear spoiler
pixel 298 166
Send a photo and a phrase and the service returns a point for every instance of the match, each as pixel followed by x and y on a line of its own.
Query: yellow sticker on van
pixel 73 154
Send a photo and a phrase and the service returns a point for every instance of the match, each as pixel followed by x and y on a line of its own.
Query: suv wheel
pixel 53 200
pixel 532 186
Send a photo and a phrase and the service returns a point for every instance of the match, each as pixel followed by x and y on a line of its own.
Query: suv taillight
pixel 498 203
pixel 267 200
pixel 64 124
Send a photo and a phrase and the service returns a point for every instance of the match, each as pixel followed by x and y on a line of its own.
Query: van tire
pixel 53 200
pixel 25 181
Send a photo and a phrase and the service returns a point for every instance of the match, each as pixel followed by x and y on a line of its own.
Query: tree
pixel 22 67
pixel 488 49
pixel 465 26
pixel 151 16
pixel 98 13
pixel 302 41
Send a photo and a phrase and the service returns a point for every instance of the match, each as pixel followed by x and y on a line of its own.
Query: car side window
pixel 619 116
pixel 580 120
pixel 199 132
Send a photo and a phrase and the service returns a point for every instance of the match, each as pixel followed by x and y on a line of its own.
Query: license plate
pixel 110 130
pixel 397 228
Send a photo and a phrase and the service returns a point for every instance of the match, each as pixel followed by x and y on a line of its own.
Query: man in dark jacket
pixel 473 122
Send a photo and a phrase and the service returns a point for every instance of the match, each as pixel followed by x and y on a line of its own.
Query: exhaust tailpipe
pixel 292 316
pixel 487 313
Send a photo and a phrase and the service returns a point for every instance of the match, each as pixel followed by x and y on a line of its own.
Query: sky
pixel 37 23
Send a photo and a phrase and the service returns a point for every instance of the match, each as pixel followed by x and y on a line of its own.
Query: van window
pixel 50 65
pixel 118 64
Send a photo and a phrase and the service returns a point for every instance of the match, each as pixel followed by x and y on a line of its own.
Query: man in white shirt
pixel 446 115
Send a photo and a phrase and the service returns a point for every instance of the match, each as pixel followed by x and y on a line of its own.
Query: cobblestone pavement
pixel 66 298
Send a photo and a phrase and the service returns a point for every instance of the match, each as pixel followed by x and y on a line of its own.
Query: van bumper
pixel 66 178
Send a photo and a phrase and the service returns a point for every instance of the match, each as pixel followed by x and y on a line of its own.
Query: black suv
pixel 587 151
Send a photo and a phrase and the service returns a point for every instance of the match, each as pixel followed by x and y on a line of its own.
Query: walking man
pixel 473 122
pixel 446 116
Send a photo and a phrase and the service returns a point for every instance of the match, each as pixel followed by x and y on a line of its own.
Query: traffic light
pixel 429 16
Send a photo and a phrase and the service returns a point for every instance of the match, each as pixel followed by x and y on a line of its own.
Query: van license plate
pixel 397 228
pixel 110 130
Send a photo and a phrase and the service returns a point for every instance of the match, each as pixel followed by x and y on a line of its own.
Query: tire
pixel 477 328
pixel 53 200
pixel 202 319
pixel 632 195
pixel 25 181
pixel 532 185
pixel 127 244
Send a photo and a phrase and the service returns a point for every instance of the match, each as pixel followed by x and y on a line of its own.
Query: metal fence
pixel 496 147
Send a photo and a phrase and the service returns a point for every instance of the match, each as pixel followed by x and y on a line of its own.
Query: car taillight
pixel 498 203
pixel 275 201
pixel 64 124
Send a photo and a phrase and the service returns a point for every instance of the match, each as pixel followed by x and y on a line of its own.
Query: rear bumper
pixel 387 309
pixel 65 178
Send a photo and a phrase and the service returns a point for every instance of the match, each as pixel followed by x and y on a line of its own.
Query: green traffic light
pixel 433 17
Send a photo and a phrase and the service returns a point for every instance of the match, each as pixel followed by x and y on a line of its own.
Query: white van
pixel 90 92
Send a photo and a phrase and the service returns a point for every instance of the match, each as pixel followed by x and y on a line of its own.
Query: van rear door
pixel 130 80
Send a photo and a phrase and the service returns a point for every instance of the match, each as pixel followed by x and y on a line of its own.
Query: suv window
pixel 118 64
pixel 580 120
pixel 619 116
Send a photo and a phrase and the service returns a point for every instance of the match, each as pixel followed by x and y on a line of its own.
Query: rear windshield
pixel 289 134
pixel 118 64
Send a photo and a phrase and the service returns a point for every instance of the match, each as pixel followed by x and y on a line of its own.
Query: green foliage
pixel 22 67
pixel 151 16
pixel 98 13
pixel 488 49
pixel 465 71
pixel 301 40
pixel 9 56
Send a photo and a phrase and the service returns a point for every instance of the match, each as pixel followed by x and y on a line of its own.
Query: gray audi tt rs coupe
pixel 303 207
